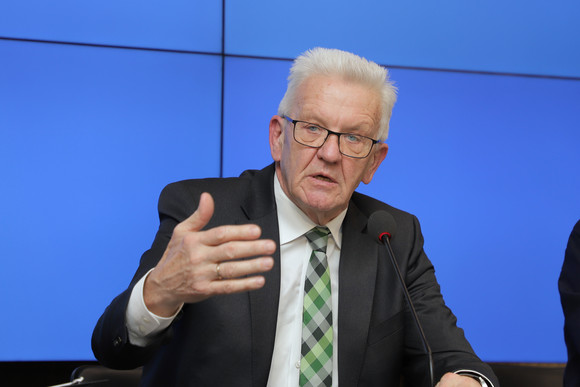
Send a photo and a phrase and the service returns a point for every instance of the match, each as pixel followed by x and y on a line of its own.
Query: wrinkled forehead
pixel 329 100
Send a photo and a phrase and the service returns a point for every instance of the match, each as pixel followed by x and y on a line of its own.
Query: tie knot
pixel 318 238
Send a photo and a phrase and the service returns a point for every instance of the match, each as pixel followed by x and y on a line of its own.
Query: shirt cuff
pixel 481 378
pixel 143 325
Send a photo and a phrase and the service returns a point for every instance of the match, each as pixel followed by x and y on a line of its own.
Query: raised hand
pixel 199 264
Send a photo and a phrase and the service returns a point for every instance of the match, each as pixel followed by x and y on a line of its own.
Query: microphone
pixel 382 225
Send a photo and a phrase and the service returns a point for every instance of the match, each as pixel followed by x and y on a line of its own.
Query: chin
pixel 324 208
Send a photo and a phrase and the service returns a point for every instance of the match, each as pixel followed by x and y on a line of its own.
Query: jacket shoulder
pixel 367 205
pixel 217 186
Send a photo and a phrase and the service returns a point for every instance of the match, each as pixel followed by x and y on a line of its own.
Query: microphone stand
pixel 385 238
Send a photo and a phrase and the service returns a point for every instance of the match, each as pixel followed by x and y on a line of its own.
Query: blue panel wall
pixel 89 137
pixel 253 90
pixel 529 37
pixel 171 24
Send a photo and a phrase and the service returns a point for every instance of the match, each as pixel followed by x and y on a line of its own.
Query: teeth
pixel 323 178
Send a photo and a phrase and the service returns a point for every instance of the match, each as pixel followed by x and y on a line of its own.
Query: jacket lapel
pixel 260 208
pixel 357 276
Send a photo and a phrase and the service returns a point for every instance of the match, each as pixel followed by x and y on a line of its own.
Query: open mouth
pixel 323 178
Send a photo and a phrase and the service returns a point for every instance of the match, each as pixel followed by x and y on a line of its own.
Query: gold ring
pixel 217 271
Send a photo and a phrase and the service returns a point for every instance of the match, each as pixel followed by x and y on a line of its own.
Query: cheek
pixel 353 173
pixel 296 157
pixel 289 164
pixel 286 159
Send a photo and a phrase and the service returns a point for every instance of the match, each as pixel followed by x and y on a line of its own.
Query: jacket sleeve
pixel 450 349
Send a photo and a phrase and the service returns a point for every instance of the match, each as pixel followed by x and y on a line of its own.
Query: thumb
pixel 202 215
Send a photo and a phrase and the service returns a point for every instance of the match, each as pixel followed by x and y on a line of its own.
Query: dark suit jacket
pixel 569 286
pixel 229 340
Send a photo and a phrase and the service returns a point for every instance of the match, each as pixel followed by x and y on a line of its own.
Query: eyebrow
pixel 355 130
pixel 358 130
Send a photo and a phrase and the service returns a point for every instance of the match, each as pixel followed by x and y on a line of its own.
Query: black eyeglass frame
pixel 328 133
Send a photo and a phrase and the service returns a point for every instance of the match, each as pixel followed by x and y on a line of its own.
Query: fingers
pixel 235 247
pixel 200 218
pixel 233 276
pixel 237 285
pixel 455 380
pixel 236 277
pixel 219 235
pixel 232 270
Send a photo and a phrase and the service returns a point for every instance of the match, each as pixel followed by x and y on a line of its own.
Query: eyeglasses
pixel 314 136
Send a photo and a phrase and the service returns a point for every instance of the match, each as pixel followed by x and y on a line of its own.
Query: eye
pixel 352 138
pixel 313 128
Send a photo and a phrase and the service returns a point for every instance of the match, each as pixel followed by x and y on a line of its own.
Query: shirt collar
pixel 293 223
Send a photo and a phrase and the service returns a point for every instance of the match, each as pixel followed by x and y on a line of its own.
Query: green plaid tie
pixel 316 363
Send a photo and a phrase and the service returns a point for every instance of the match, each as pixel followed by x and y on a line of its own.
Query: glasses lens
pixel 309 134
pixel 351 145
pixel 354 145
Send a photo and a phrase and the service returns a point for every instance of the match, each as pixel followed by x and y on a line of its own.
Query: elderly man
pixel 272 279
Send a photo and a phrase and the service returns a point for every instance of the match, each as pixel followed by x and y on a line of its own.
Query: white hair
pixel 347 66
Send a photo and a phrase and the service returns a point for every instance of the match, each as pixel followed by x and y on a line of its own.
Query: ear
pixel 376 158
pixel 276 137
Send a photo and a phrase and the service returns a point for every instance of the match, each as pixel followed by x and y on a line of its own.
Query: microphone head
pixel 382 224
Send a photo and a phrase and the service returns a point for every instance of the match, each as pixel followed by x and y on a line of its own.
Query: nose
pixel 330 151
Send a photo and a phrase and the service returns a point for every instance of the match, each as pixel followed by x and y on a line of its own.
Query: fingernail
pixel 270 245
pixel 255 231
pixel 267 263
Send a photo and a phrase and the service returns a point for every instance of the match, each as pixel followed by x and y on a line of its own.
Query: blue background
pixel 104 103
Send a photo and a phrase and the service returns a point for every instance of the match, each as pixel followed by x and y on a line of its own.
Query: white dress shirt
pixel 295 253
